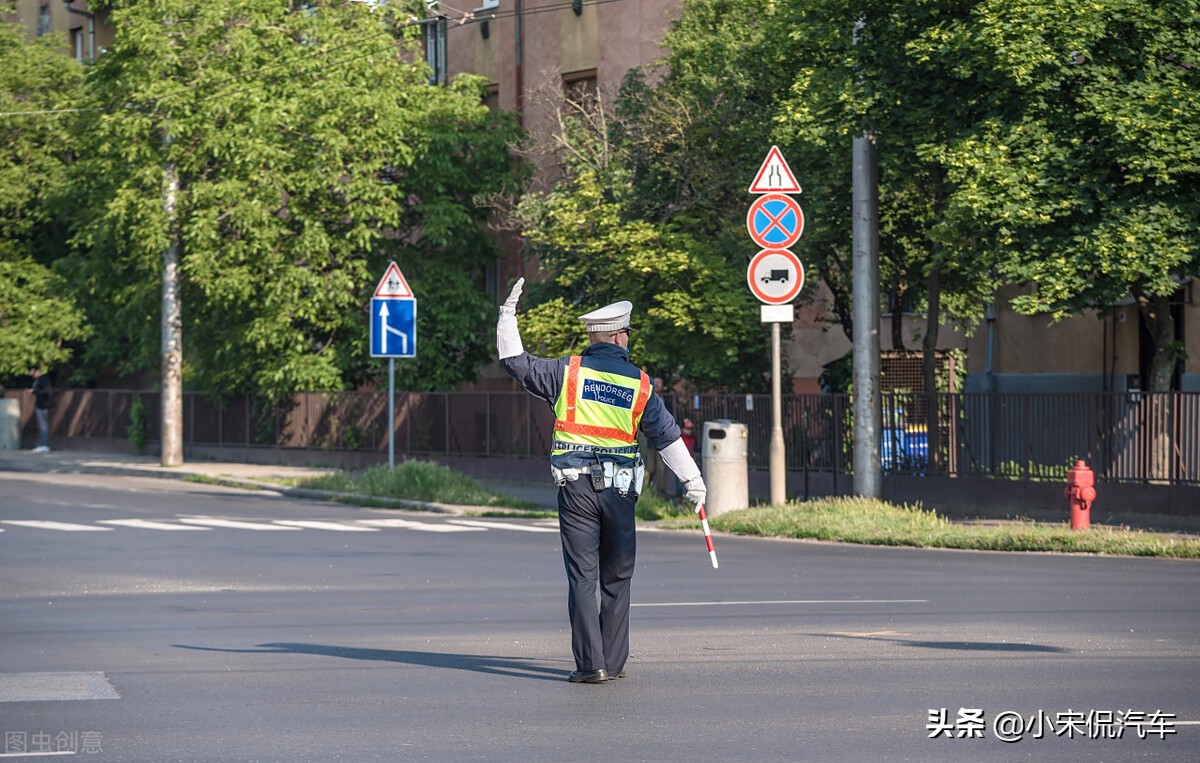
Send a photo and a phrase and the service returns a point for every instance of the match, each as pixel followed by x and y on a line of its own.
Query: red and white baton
pixel 712 553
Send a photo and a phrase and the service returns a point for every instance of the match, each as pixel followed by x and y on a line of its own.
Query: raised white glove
pixel 508 337
pixel 510 305
pixel 696 492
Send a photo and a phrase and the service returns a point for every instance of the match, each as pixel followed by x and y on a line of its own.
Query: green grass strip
pixel 873 522
pixel 414 481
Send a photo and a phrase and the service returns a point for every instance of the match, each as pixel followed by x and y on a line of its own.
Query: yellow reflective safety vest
pixel 598 412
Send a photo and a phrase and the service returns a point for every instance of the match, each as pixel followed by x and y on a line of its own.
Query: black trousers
pixel 599 545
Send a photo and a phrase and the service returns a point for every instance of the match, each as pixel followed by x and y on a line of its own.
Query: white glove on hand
pixel 510 305
pixel 696 492
pixel 508 337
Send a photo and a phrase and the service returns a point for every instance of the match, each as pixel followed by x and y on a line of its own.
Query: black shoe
pixel 597 676
pixel 619 675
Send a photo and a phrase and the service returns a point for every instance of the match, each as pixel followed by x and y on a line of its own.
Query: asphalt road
pixel 437 639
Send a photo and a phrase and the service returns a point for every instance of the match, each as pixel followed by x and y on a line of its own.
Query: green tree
pixel 1086 173
pixel 742 74
pixel 694 321
pixel 38 321
pixel 309 149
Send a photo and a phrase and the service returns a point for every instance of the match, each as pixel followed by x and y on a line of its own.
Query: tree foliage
pixel 38 321
pixel 692 320
pixel 1048 144
pixel 310 149
pixel 1086 172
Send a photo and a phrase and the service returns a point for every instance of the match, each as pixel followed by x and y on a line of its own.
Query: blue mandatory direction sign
pixel 393 328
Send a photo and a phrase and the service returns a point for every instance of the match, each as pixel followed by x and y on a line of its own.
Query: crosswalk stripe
pixel 312 524
pixel 502 526
pixel 146 524
pixel 209 523
pixel 420 526
pixel 63 526
pixel 233 524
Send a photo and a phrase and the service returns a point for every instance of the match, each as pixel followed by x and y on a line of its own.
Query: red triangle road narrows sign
pixel 775 176
pixel 393 285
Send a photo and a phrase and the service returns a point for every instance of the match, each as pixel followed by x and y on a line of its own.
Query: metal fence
pixel 1125 437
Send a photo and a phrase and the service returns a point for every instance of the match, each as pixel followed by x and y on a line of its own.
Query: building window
pixel 43 27
pixel 580 87
pixel 491 98
pixel 77 44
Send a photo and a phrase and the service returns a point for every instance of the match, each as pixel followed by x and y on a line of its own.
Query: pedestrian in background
pixel 600 402
pixel 43 401
pixel 688 434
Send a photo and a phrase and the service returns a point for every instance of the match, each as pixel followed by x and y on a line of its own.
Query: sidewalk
pixel 80 462
pixel 256 476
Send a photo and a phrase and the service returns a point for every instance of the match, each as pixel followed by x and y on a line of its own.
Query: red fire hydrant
pixel 1080 492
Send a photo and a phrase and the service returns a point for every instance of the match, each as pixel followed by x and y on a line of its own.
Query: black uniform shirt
pixel 543 378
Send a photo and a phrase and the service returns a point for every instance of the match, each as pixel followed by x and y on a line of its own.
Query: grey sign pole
pixel 778 455
pixel 391 413
pixel 868 476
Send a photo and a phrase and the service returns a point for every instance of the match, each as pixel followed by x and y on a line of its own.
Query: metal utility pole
pixel 172 325
pixel 868 472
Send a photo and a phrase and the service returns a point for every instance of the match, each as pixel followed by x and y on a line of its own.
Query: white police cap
pixel 612 317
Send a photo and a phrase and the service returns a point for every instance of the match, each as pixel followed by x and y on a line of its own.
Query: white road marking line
pixel 146 524
pixel 313 524
pixel 232 524
pixel 422 526
pixel 502 526
pixel 35 754
pixel 1186 723
pixel 67 527
pixel 778 601
pixel 55 687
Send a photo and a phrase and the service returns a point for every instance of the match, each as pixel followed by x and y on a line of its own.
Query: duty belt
pixel 604 475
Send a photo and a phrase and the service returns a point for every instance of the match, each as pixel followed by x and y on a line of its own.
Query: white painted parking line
pixel 502 526
pixel 312 524
pixel 232 524
pixel 146 524
pixel 777 601
pixel 420 526
pixel 67 527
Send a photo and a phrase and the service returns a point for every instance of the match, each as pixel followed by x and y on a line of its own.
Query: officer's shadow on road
pixel 514 667
pixel 966 646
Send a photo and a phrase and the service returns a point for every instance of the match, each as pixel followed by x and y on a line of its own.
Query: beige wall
pixel 62 22
pixel 1087 344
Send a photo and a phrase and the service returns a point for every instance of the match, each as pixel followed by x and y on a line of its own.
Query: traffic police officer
pixel 600 401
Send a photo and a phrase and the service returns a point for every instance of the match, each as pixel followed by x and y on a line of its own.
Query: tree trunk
pixel 1156 311
pixel 172 328
pixel 929 365
pixel 1156 409
pixel 899 294
pixel 836 281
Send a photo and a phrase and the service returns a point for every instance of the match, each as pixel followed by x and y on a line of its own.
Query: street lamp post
pixel 91 17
